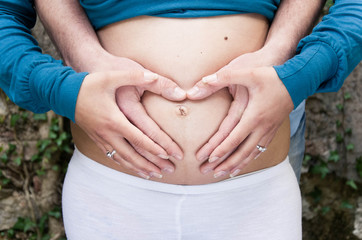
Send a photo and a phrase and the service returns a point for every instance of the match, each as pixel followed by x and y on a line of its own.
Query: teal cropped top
pixel 104 12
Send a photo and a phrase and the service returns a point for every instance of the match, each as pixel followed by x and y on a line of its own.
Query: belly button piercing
pixel 181 110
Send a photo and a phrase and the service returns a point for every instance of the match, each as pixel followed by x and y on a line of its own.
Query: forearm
pixel 328 55
pixel 69 28
pixel 293 20
pixel 32 80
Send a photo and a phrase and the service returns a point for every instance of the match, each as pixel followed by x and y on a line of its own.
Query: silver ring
pixel 110 154
pixel 261 149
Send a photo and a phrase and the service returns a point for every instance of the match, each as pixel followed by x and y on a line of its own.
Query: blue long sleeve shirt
pixel 39 83
pixel 328 55
pixel 33 80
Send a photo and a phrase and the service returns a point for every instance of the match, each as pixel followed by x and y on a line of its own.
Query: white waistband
pixel 247 180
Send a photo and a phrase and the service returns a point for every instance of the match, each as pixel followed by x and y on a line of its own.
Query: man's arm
pixel 39 83
pixel 71 31
pixel 32 80
pixel 293 21
pixel 328 55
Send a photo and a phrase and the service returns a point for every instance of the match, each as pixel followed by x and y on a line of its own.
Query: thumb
pixel 247 77
pixel 167 89
pixel 202 89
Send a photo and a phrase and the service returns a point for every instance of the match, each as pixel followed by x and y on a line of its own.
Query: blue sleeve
pixel 33 80
pixel 328 55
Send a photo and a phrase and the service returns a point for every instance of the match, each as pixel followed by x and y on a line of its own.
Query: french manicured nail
pixel 234 173
pixel 257 156
pixel 156 175
pixel 203 159
pixel 197 92
pixel 163 156
pixel 226 156
pixel 143 175
pixel 206 170
pixel 168 170
pixel 178 157
pixel 213 159
pixel 209 79
pixel 219 174
pixel 117 162
pixel 179 93
pixel 193 91
pixel 149 76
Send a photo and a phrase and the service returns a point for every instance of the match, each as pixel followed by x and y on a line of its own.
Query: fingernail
pixel 197 92
pixel 143 175
pixel 235 172
pixel 178 157
pixel 219 174
pixel 202 159
pixel 226 155
pixel 257 156
pixel 209 79
pixel 163 156
pixel 179 93
pixel 156 175
pixel 117 162
pixel 168 170
pixel 206 170
pixel 213 159
pixel 150 77
pixel 193 91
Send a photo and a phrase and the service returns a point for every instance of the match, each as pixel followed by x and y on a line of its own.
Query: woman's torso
pixel 185 50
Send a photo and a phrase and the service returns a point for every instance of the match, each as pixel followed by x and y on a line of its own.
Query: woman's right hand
pixel 81 49
pixel 98 114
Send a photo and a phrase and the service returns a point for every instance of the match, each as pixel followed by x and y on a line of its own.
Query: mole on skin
pixel 226 38
pixel 181 110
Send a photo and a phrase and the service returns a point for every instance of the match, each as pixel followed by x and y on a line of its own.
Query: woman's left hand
pixel 261 104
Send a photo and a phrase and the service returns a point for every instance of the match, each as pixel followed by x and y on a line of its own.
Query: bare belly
pixel 185 50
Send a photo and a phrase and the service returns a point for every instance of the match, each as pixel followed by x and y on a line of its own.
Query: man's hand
pixel 261 104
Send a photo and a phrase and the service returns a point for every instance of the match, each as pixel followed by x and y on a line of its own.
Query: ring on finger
pixel 261 149
pixel 111 154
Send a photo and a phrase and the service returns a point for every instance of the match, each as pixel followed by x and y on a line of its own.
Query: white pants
pixel 100 203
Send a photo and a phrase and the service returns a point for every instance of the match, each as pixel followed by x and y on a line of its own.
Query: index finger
pixel 137 114
pixel 242 130
pixel 231 120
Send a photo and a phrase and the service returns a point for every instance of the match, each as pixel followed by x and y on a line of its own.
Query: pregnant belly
pixel 185 50
pixel 190 124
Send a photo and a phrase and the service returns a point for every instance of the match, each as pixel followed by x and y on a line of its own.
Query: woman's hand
pixel 261 104
pixel 98 114
pixel 82 50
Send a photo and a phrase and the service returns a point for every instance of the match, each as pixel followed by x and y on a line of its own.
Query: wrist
pixel 87 59
pixel 277 53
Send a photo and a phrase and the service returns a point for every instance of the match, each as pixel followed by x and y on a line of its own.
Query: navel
pixel 181 110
